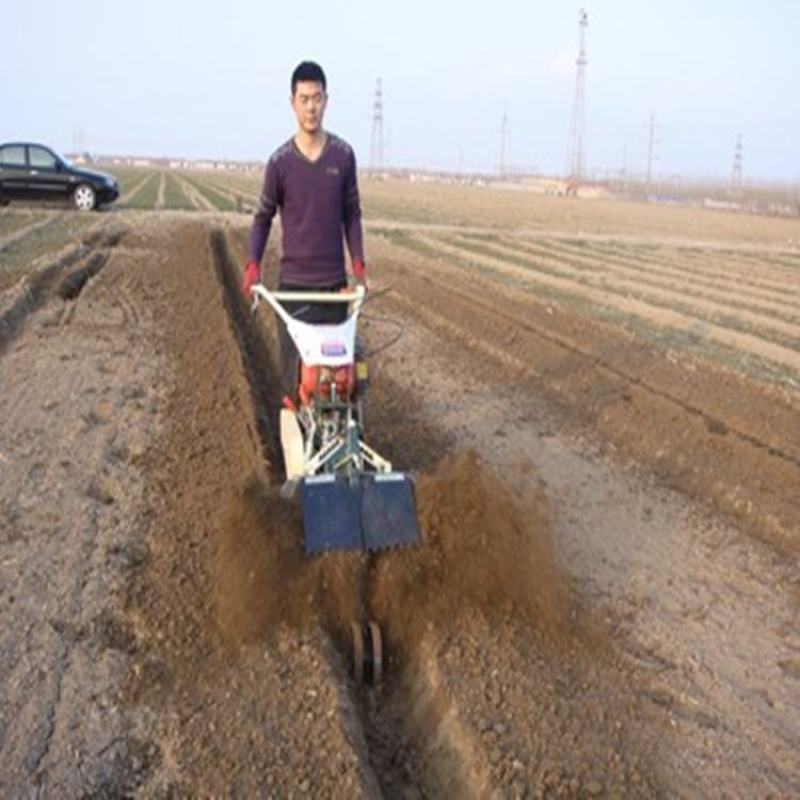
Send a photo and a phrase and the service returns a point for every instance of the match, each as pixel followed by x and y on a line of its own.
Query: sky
pixel 211 79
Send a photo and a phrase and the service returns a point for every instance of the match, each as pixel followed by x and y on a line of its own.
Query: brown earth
pixel 627 303
pixel 606 601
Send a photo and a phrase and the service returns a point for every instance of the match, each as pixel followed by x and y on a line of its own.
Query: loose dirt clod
pixel 263 578
pixel 483 551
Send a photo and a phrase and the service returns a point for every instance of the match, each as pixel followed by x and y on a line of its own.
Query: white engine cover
pixel 324 345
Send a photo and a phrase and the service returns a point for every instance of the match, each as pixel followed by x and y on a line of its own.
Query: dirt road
pixel 606 603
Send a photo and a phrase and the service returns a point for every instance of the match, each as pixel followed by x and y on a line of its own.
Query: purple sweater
pixel 318 201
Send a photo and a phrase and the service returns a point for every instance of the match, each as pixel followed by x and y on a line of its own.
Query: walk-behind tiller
pixel 350 496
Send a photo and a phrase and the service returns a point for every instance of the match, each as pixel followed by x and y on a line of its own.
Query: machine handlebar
pixel 355 296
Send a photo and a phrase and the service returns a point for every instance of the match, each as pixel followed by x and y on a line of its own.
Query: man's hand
pixel 360 273
pixel 252 275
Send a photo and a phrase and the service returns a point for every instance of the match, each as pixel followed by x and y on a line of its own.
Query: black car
pixel 34 172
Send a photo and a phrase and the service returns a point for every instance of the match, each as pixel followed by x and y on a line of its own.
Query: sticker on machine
pixel 334 347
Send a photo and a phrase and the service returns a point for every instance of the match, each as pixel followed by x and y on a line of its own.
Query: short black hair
pixel 308 71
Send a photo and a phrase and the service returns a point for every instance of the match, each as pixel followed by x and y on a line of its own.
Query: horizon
pixel 694 181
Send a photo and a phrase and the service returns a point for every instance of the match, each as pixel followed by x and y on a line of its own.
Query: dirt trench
pixel 425 733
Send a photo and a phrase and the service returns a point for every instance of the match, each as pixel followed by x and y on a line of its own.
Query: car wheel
pixel 84 197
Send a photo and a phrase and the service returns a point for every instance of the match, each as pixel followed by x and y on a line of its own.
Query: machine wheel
pixel 84 197
pixel 367 653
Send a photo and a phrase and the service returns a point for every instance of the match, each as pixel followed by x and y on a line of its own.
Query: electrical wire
pixel 374 295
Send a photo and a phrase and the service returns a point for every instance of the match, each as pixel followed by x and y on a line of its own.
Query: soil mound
pixel 264 579
pixel 484 550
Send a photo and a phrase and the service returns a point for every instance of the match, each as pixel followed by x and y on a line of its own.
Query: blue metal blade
pixel 388 511
pixel 331 514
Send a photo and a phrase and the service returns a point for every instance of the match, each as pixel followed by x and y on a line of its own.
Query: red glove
pixel 252 275
pixel 360 273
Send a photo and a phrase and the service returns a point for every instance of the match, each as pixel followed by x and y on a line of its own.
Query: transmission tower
pixel 575 166
pixel 376 145
pixel 503 142
pixel 736 172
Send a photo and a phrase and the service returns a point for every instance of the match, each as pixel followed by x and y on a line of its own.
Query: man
pixel 312 180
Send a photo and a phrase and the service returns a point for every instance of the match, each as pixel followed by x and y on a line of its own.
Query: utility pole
pixel 78 140
pixel 376 145
pixel 503 142
pixel 736 172
pixel 651 150
pixel 576 163
pixel 623 170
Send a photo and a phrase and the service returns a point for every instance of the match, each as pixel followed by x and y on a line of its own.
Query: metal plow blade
pixel 331 514
pixel 388 511
pixel 370 512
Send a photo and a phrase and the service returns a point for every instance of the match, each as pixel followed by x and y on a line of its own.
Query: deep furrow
pixel 385 713
pixel 40 289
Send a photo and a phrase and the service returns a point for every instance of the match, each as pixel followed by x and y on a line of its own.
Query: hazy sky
pixel 207 78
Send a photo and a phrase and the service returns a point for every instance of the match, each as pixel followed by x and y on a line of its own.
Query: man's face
pixel 309 103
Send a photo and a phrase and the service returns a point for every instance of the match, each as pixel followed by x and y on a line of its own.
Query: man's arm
pixel 352 219
pixel 268 203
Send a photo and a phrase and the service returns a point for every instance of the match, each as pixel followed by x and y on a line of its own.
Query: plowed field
pixel 601 409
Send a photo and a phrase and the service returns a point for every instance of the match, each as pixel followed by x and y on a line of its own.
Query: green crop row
pixel 174 196
pixel 128 177
pixel 147 194
pixel 220 201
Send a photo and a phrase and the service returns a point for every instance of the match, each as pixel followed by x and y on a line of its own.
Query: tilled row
pixel 667 416
pixel 78 394
pixel 223 713
pixel 677 316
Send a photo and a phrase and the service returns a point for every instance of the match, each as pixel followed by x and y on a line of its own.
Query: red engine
pixel 318 379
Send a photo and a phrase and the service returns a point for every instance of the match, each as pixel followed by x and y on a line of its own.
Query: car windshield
pixel 65 160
